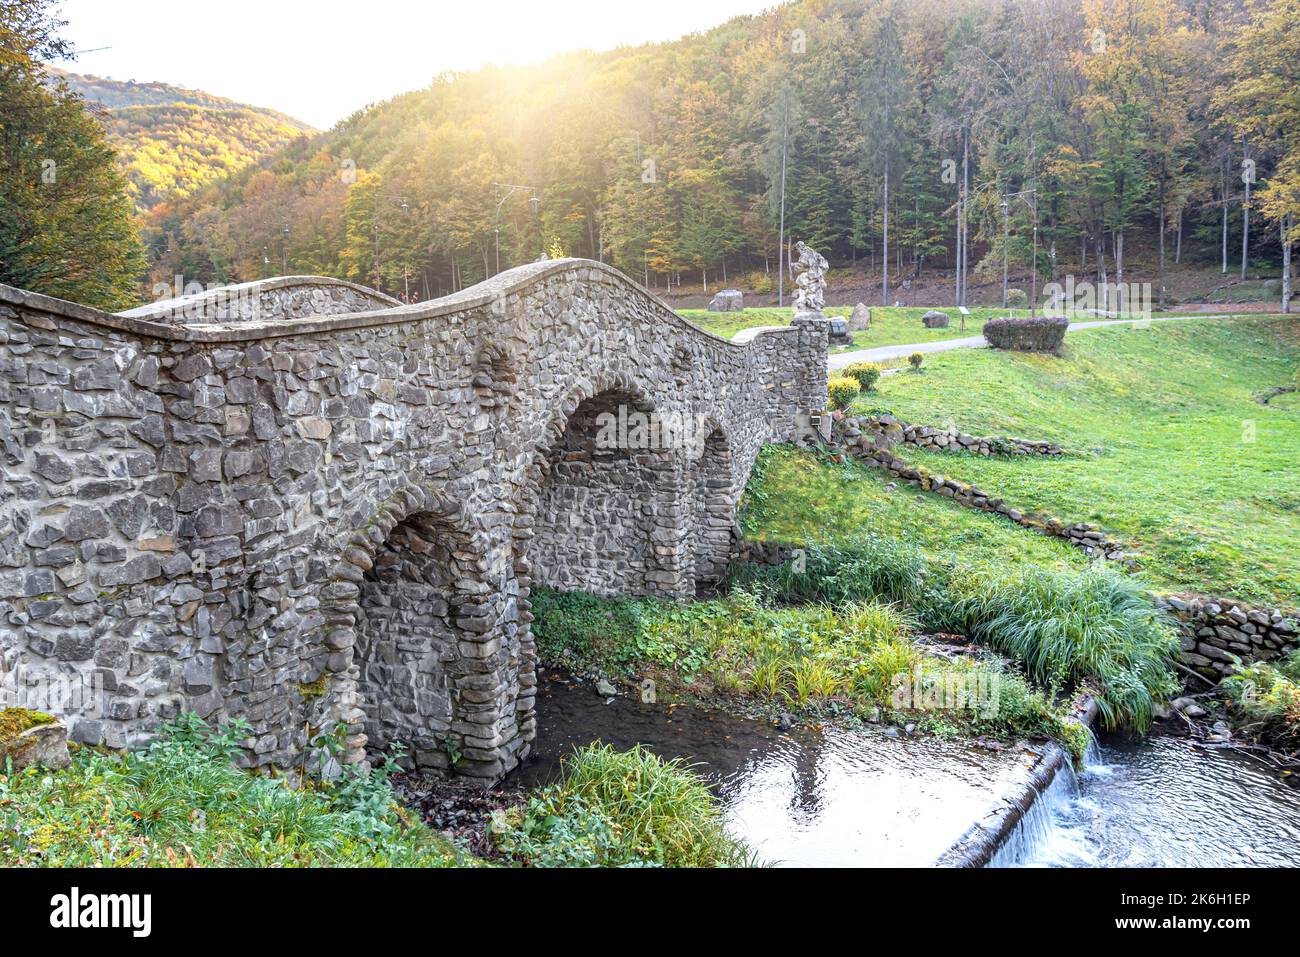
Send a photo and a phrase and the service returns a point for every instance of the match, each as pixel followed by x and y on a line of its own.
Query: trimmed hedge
pixel 1044 334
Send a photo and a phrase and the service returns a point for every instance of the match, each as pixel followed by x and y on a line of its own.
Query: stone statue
pixel 810 278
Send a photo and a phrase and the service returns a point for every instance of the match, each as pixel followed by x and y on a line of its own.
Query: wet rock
pixel 605 689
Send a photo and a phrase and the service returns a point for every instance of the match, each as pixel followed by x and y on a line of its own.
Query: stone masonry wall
pixel 224 518
pixel 285 297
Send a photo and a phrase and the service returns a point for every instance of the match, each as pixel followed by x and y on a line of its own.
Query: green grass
pixel 1185 465
pixel 841 658
pixel 797 497
pixel 619 809
pixel 180 803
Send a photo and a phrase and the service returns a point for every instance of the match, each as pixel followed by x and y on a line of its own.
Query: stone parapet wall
pixel 337 519
pixel 285 297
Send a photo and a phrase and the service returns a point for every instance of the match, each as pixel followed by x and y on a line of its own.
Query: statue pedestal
pixel 837 329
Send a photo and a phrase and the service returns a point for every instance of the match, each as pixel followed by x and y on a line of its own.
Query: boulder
pixel 860 319
pixel 934 319
pixel 729 300
pixel 30 739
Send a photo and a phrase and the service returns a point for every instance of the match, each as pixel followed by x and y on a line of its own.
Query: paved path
pixel 883 353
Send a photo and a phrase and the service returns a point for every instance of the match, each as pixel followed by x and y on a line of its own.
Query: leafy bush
pixel 618 809
pixel 867 374
pixel 1017 299
pixel 915 360
pixel 1043 334
pixel 841 390
pixel 180 802
pixel 759 282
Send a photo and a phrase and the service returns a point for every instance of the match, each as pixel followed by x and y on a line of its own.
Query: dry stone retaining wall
pixel 337 519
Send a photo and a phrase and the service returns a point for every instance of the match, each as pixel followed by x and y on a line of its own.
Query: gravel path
pixel 883 353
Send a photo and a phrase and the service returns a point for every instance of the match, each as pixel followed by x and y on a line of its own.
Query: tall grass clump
pixel 1090 627
pixel 622 808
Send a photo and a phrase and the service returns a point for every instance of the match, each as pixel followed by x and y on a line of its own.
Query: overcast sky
pixel 319 61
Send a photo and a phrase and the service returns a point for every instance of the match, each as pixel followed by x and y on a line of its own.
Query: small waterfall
pixel 1039 826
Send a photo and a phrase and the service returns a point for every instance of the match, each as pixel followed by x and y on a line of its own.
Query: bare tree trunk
pixel 965 213
pixel 1223 196
pixel 780 243
pixel 1160 300
pixel 1286 263
pixel 1119 270
pixel 1245 229
pixel 1178 246
pixel 884 259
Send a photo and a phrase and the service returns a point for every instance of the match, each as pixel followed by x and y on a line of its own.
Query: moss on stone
pixel 14 721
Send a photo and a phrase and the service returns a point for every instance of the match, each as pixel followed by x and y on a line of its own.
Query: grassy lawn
pixel 1182 461
pixel 795 497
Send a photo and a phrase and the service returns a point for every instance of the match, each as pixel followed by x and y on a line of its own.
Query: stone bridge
pixel 303 504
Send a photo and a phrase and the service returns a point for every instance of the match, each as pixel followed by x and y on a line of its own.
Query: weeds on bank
pixel 1268 694
pixel 181 803
pixel 1089 627
pixel 856 655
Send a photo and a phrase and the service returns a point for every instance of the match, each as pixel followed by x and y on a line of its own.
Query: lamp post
pixel 510 189
pixel 284 250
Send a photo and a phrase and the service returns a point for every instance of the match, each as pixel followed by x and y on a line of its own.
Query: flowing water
pixel 831 797
pixel 1160 802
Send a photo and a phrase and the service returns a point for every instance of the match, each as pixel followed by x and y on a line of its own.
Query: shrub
pixel 1016 299
pixel 841 390
pixel 915 360
pixel 759 282
pixel 622 808
pixel 867 374
pixel 1043 334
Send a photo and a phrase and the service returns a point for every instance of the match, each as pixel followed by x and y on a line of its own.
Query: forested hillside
pixel 896 127
pixel 171 140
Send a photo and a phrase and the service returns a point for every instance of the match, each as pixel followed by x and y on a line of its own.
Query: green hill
pixel 171 141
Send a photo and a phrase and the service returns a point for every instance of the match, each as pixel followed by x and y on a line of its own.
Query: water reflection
pixel 806 797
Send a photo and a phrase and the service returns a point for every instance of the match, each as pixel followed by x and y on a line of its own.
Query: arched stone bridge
pixel 300 503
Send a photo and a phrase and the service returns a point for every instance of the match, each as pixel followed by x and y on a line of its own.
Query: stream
pixel 1160 802
pixel 830 797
